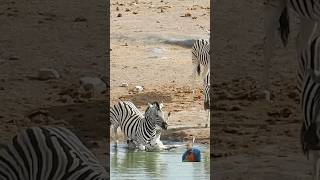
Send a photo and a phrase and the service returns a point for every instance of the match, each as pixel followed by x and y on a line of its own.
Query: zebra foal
pixel 48 153
pixel 137 127
pixel 278 18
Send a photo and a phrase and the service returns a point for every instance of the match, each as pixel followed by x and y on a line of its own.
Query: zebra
pixel 309 59
pixel 48 153
pixel 309 13
pixel 206 92
pixel 200 58
pixel 310 131
pixel 141 129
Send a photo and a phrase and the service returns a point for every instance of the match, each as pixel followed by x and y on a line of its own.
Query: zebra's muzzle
pixel 164 125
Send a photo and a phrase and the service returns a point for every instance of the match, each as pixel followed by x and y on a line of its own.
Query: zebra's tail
pixel 198 69
pixel 284 29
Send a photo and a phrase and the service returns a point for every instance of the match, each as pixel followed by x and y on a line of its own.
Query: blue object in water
pixel 193 155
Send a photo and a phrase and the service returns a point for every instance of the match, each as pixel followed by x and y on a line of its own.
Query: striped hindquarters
pixel 309 59
pixel 200 54
pixel 48 153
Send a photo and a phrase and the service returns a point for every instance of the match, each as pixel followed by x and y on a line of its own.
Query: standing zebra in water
pixel 310 132
pixel 48 153
pixel 141 129
pixel 309 13
pixel 200 58
pixel 206 92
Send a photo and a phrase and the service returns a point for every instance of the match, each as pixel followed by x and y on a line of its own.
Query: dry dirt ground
pixel 253 139
pixel 144 54
pixel 68 36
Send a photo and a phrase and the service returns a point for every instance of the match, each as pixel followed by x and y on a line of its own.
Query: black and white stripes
pixel 309 13
pixel 48 153
pixel 135 126
pixel 206 92
pixel 200 58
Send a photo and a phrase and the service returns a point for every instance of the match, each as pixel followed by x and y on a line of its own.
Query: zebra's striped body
pixel 309 59
pixel 310 132
pixel 48 153
pixel 141 129
pixel 309 13
pixel 200 57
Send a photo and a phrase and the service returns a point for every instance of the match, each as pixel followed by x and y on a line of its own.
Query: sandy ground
pixel 69 37
pixel 140 56
pixel 253 139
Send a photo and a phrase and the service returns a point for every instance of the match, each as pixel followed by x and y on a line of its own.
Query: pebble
pixel 46 74
pixel 93 83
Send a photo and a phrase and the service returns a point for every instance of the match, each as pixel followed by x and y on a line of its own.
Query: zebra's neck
pixel 149 128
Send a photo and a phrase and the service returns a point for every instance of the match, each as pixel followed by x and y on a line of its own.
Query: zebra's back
pixel 48 153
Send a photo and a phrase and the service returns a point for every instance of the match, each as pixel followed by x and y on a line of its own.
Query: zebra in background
pixel 200 58
pixel 206 92
pixel 141 129
pixel 310 132
pixel 48 153
pixel 309 13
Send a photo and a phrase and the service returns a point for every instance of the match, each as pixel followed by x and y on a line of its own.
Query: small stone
pixel 134 12
pixel 127 9
pixel 93 83
pixel 46 74
pixel 124 85
pixel 80 19
pixel 13 58
pixel 117 8
pixel 139 88
pixel 194 17
pixel 187 15
pixel 119 15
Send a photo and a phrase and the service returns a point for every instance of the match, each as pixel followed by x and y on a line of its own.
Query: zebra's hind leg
pixel 316 165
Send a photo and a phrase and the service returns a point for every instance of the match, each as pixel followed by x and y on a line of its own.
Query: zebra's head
pixel 154 113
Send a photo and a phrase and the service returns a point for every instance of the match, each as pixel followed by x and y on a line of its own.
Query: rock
pixel 93 84
pixel 46 74
pixel 124 85
pixel 119 15
pixel 138 88
pixel 80 19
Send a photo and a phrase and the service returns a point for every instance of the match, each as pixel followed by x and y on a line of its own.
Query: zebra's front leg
pixel 115 128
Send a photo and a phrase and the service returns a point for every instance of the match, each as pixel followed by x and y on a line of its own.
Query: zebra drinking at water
pixel 200 58
pixel 310 132
pixel 136 127
pixel 48 153
pixel 309 13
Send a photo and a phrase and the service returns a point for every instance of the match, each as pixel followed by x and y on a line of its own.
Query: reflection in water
pixel 126 164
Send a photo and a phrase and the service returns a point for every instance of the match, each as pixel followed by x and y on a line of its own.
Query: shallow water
pixel 126 164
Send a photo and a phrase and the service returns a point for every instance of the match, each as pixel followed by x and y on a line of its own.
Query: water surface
pixel 139 165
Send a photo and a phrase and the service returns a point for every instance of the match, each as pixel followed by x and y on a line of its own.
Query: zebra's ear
pixel 161 106
pixel 149 105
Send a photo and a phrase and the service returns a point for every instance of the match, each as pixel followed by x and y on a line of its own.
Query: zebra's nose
pixel 164 125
